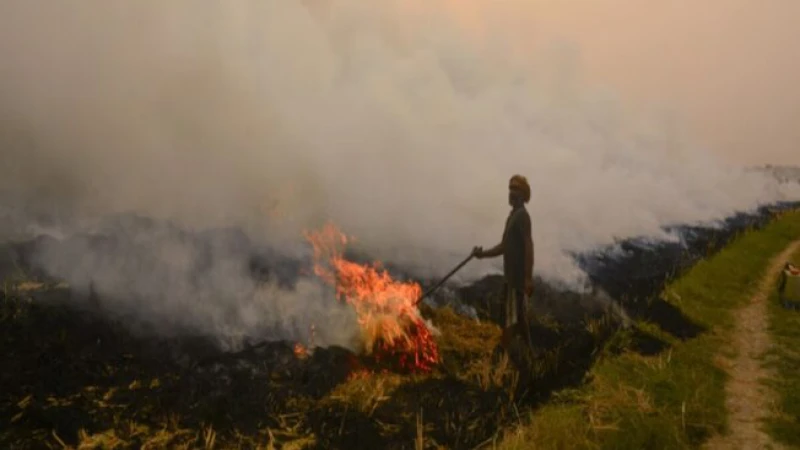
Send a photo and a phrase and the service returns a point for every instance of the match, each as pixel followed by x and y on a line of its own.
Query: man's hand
pixel 477 252
pixel 529 287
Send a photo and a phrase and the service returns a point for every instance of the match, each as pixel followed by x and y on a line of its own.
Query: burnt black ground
pixel 82 371
pixel 66 369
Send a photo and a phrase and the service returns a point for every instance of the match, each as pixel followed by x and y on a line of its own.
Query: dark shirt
pixel 517 231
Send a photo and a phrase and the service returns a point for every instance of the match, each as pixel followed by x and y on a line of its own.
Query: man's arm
pixel 497 250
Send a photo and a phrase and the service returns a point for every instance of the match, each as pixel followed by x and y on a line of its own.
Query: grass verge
pixel 675 399
pixel 784 359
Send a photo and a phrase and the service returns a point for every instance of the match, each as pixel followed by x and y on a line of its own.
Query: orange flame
pixel 391 325
pixel 300 351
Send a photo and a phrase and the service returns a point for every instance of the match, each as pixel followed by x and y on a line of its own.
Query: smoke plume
pixel 400 121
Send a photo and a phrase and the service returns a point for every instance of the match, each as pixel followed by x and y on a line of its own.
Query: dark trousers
pixel 515 317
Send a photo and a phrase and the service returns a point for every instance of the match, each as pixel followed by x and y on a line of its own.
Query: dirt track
pixel 747 400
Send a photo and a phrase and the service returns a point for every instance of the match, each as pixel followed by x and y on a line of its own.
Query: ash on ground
pixel 78 375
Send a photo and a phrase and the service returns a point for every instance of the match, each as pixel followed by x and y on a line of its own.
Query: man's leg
pixel 523 327
pixel 510 317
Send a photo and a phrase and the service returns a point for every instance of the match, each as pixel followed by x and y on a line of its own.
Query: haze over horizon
pixel 729 69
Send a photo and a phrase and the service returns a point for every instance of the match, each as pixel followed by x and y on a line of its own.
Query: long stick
pixel 443 280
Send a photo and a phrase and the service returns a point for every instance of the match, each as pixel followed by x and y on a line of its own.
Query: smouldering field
pixel 78 377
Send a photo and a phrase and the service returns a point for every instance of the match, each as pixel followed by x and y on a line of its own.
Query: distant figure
pixel 789 286
pixel 516 247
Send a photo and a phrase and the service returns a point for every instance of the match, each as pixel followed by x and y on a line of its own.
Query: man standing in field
pixel 517 250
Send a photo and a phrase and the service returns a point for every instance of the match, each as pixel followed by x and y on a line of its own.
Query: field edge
pixel 676 398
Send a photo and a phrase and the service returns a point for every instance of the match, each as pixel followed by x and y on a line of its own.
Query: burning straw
pixel 392 328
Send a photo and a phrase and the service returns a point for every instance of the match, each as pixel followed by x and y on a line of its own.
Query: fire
pixel 300 351
pixel 391 325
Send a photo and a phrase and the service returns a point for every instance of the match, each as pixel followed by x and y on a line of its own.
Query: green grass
pixel 784 359
pixel 675 399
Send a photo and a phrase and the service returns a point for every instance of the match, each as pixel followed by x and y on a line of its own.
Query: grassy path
pixel 747 399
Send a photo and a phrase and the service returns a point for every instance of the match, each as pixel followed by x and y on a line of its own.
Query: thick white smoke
pixel 401 121
pixel 157 278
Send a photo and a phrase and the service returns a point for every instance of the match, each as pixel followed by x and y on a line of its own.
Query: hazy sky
pixel 211 113
pixel 730 68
